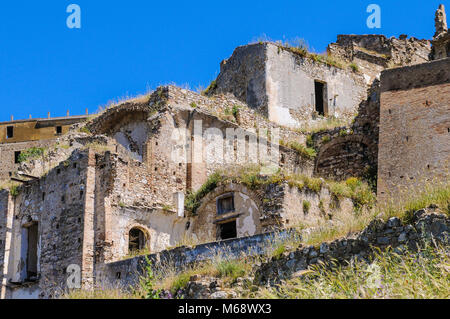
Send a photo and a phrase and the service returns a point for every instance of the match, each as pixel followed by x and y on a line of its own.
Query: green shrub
pixel 235 110
pixel 31 153
pixel 279 251
pixel 193 105
pixel 305 152
pixel 210 88
pixel 326 139
pixel 85 129
pixel 230 268
pixel 310 141
pixel 14 190
pixel 354 67
pixel 306 206
pixel 180 282
pixel 192 201
pixel 147 282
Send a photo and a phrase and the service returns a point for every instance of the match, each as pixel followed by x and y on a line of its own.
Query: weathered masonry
pixel 21 135
pixel 159 170
pixel 288 88
pixel 414 145
pixel 441 39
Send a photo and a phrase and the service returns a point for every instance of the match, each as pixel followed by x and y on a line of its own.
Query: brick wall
pixel 414 146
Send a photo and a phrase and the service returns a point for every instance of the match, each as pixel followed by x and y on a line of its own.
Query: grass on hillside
pixel 422 275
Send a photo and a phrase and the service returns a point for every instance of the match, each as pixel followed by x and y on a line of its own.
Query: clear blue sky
pixel 125 47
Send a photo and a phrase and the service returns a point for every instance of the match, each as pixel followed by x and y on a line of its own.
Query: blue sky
pixel 126 47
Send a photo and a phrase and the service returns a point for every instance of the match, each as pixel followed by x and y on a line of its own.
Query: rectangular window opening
pixel 30 240
pixel 320 93
pixel 59 130
pixel 225 204
pixel 9 131
pixel 227 230
pixel 17 157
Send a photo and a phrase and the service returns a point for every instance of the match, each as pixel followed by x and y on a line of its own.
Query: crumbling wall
pixel 56 203
pixel 271 206
pixel 290 87
pixel 374 53
pixel 351 151
pixel 8 158
pixel 441 39
pixel 244 75
pixel 280 84
pixel 414 146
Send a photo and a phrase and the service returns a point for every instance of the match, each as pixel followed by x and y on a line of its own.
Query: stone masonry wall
pixel 427 226
pixel 414 147
pixel 351 151
pixel 56 204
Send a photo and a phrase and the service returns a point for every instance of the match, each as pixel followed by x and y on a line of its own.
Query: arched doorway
pixel 137 239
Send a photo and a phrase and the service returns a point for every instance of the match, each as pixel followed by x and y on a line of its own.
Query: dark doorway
pixel 136 240
pixel 319 92
pixel 16 157
pixel 59 130
pixel 32 250
pixel 9 131
pixel 227 230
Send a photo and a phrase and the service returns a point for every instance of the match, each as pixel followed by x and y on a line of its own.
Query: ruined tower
pixel 440 21
pixel 441 39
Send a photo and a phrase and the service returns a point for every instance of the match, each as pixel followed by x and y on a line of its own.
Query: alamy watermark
pixel 74 279
pixel 74 19
pixel 374 20
pixel 235 146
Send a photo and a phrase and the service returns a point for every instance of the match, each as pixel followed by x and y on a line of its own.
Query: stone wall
pixel 414 146
pixel 56 204
pixel 351 151
pixel 8 155
pixel 374 53
pixel 268 207
pixel 126 273
pixel 427 225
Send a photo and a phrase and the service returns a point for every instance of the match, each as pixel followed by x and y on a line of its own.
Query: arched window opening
pixel 136 240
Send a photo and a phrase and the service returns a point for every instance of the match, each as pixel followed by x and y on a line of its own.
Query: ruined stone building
pixel 142 175
pixel 20 135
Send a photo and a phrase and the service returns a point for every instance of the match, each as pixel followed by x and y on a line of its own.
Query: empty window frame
pixel 9 131
pixel 321 98
pixel 225 204
pixel 227 230
pixel 29 252
pixel 17 157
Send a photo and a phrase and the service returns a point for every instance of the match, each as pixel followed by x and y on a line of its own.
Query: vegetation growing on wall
pixel 31 153
pixel 359 191
pixel 417 275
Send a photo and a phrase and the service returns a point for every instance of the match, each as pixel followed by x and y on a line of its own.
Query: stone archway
pixel 346 156
pixel 138 238
pixel 229 205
